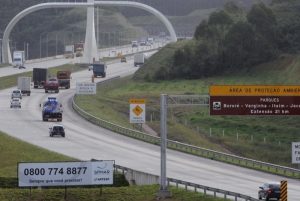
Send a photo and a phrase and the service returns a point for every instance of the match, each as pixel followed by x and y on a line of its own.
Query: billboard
pixel 254 100
pixel 66 173
pixel 85 88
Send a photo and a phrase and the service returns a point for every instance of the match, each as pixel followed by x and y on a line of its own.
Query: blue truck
pixel 99 69
pixel 52 109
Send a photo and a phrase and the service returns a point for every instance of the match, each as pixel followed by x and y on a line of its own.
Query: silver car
pixel 15 102
pixel 16 94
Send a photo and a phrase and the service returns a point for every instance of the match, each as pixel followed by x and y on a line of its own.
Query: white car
pixel 15 102
pixel 16 94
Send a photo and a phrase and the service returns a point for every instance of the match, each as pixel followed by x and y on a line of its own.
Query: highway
pixel 85 141
pixel 52 62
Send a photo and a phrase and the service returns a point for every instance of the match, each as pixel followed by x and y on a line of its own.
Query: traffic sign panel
pixel 137 111
pixel 254 100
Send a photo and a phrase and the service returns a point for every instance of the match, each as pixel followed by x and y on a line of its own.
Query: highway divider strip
pixel 190 149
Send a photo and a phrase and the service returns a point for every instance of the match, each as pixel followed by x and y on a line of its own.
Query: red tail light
pixel 269 191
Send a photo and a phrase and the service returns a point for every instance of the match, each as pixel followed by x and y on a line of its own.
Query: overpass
pixel 90 43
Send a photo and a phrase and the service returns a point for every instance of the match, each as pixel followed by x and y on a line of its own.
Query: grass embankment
pixel 13 151
pixel 4 65
pixel 11 80
pixel 261 137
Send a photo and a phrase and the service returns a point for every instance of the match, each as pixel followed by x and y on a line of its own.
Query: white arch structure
pixel 6 54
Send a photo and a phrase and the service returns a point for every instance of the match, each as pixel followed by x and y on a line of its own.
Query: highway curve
pixel 85 141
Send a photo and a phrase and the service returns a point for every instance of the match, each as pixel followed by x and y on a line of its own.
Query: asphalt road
pixel 53 62
pixel 85 141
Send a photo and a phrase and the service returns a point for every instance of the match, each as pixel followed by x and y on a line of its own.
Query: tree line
pixel 232 39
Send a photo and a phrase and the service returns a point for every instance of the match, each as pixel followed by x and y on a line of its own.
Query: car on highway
pixel 57 130
pixel 16 94
pixel 269 191
pixel 123 59
pixel 15 102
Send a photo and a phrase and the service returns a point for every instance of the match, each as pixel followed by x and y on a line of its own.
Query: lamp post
pixel 0 51
pixel 27 52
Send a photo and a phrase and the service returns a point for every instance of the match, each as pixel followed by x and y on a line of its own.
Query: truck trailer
pixel 99 69
pixel 39 77
pixel 18 59
pixel 139 59
pixel 64 78
pixel 24 84
pixel 69 51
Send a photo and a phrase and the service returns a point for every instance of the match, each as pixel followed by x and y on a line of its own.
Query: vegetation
pixel 231 40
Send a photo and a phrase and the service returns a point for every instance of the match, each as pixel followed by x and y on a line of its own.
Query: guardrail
pixel 188 186
pixel 198 151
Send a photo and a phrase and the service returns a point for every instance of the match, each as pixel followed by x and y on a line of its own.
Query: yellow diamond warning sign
pixel 137 111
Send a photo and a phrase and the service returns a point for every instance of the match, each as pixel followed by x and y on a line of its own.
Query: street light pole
pixel 0 51
pixel 163 191
pixel 40 46
pixel 27 52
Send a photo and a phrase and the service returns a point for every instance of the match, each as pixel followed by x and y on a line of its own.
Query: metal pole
pixel 163 191
pixel 0 51
pixel 40 46
pixel 27 52
pixel 55 45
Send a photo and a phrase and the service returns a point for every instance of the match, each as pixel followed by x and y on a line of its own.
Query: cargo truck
pixel 139 59
pixel 64 78
pixel 18 59
pixel 51 109
pixel 39 77
pixel 69 51
pixel 99 69
pixel 24 85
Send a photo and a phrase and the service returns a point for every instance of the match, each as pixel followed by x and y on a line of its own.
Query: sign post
pixel 137 111
pixel 87 88
pixel 296 152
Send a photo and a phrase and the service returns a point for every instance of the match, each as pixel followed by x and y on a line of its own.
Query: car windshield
pixel 16 92
pixel 58 128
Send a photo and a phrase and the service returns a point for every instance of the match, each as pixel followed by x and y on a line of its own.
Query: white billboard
pixel 66 173
pixel 295 152
pixel 85 88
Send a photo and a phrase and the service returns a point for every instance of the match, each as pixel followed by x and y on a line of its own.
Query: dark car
pixel 123 59
pixel 57 130
pixel 269 191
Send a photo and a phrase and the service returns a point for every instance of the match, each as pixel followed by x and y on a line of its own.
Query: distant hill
pixel 230 40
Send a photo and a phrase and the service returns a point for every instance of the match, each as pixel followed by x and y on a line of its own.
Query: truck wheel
pixel 46 91
pixel 35 87
pixel 29 94
pixel 63 135
pixel 51 135
pixel 56 91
